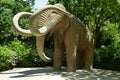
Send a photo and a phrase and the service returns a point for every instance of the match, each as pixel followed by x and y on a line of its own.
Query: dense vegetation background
pixel 101 16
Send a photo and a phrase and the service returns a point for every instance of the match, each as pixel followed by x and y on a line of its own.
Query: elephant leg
pixel 71 52
pixel 89 54
pixel 80 59
pixel 58 53
pixel 71 57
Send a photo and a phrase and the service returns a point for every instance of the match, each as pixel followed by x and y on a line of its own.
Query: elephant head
pixel 41 23
pixel 40 17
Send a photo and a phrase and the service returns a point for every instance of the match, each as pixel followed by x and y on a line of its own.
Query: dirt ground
pixel 48 73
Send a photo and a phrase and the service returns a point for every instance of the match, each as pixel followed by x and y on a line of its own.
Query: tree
pixel 8 9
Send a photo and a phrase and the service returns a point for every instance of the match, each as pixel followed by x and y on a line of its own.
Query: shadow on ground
pixel 95 74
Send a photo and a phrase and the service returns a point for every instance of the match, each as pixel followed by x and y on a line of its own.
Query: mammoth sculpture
pixel 70 36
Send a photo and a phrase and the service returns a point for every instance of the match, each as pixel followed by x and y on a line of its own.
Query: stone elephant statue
pixel 71 36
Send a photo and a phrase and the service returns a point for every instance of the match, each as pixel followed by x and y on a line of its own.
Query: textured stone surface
pixel 49 73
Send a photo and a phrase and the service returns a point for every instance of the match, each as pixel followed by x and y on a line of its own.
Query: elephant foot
pixel 79 67
pixel 57 68
pixel 71 69
pixel 88 68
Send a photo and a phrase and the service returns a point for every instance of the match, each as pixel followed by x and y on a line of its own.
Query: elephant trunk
pixel 40 50
pixel 40 39
pixel 21 31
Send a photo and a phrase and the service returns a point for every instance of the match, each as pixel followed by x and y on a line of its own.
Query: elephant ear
pixel 43 16
pixel 40 16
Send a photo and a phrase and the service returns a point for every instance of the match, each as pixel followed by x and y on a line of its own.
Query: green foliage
pixel 108 57
pixel 5 24
pixel 20 49
pixel 8 9
pixel 7 58
pixel 108 54
pixel 19 54
pixel 106 34
pixel 25 53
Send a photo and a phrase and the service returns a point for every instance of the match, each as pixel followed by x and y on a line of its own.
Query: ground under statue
pixel 70 36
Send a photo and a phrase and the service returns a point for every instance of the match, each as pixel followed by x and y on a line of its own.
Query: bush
pixel 7 58
pixel 26 55
pixel 19 54
pixel 108 57
pixel 20 49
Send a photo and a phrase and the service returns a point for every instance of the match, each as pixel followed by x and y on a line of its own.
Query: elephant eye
pixel 52 16
pixel 54 12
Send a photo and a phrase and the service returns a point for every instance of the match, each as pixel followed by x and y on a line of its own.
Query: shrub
pixel 108 57
pixel 19 54
pixel 26 55
pixel 20 49
pixel 7 58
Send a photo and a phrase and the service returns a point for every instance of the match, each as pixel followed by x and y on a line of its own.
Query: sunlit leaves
pixel 8 8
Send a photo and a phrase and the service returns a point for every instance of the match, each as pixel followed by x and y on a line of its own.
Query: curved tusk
pixel 19 30
pixel 43 29
pixel 40 47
